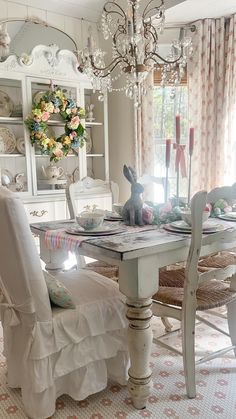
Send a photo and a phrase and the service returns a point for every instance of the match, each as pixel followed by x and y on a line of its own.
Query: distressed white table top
pixel 133 245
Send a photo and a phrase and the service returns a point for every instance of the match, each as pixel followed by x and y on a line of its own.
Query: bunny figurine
pixel 4 41
pixel 132 211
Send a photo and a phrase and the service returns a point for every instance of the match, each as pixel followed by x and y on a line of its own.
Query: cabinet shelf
pixel 45 155
pixel 93 124
pixel 12 155
pixel 94 155
pixel 15 120
pixel 62 123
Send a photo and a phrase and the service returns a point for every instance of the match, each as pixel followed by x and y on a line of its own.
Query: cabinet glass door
pixel 51 177
pixel 14 152
pixel 97 141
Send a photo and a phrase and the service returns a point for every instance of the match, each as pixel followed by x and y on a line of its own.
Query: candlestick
pixel 177 128
pixel 191 141
pixel 168 148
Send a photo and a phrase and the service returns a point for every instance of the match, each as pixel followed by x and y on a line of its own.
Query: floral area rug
pixel 216 386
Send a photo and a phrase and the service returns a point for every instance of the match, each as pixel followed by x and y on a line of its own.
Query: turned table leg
pixel 139 314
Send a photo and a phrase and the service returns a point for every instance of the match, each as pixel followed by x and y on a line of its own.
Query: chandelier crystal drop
pixel 135 37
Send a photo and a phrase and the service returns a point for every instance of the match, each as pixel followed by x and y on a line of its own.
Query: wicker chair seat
pixel 209 295
pixel 103 268
pixel 219 260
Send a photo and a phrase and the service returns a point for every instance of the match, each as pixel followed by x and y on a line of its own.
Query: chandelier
pixel 135 37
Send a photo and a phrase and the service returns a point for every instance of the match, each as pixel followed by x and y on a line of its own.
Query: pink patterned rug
pixel 216 387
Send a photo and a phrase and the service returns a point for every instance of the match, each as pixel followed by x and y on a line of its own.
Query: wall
pixel 120 108
pixel 76 28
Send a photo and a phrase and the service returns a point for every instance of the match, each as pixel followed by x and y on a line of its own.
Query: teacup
pixel 90 220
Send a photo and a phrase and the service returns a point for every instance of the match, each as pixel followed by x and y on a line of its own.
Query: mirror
pixel 20 36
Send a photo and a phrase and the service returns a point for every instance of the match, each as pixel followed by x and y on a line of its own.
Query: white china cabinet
pixel 23 167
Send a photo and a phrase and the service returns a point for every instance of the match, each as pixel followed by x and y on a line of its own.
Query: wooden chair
pixel 216 260
pixel 52 350
pixel 201 291
pixel 72 191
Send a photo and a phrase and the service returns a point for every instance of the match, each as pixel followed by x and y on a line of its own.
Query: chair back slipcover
pixel 52 351
pixel 21 276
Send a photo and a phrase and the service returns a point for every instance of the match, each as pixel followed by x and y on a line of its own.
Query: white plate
pixel 112 216
pixel 7 140
pixel 20 145
pixel 101 231
pixel 214 229
pixel 182 225
pixel 6 104
pixel 229 216
pixel 38 96
pixel 6 177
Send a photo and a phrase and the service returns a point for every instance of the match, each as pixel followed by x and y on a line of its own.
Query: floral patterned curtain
pixel 143 138
pixel 212 102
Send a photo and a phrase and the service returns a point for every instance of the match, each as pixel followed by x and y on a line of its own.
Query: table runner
pixel 56 236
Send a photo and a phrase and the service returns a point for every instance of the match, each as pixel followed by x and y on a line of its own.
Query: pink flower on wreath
pixel 45 116
pixel 73 134
pixel 58 153
pixel 56 110
pixel 74 123
pixel 74 110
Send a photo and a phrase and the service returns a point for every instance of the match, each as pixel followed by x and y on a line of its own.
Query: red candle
pixel 191 141
pixel 177 128
pixel 168 148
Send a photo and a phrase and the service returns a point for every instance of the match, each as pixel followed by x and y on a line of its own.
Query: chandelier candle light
pixel 135 37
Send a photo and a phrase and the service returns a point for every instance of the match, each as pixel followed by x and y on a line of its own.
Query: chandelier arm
pixel 109 68
pixel 113 3
pixel 154 54
pixel 147 10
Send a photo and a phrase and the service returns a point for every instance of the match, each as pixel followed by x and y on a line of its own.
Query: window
pixel 169 102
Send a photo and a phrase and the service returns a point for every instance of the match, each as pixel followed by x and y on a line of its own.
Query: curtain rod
pixel 190 26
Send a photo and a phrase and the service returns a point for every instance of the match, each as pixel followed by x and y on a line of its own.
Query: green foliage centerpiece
pixel 55 101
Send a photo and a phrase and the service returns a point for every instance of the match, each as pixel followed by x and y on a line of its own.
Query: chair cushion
pixel 58 293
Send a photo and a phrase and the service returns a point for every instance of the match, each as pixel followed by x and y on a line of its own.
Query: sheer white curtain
pixel 212 102
pixel 144 150
pixel 143 139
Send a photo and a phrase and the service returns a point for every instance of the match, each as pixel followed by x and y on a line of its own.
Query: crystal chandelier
pixel 135 37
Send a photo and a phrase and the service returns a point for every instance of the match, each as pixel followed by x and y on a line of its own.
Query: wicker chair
pixel 202 291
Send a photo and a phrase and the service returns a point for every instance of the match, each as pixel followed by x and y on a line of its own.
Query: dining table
pixel 139 252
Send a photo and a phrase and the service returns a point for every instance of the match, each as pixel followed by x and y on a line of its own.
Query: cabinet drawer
pixel 42 211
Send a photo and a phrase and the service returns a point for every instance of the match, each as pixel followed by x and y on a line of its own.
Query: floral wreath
pixel 55 102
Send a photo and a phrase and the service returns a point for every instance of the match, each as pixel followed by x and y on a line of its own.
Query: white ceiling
pixel 184 11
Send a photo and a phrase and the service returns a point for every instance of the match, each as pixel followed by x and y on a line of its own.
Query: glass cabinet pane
pixel 14 162
pixel 95 146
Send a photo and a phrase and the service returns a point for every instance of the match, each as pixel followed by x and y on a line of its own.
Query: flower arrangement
pixel 55 102
pixel 161 213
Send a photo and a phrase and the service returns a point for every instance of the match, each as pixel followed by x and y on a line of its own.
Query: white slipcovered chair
pixel 198 291
pixel 50 350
